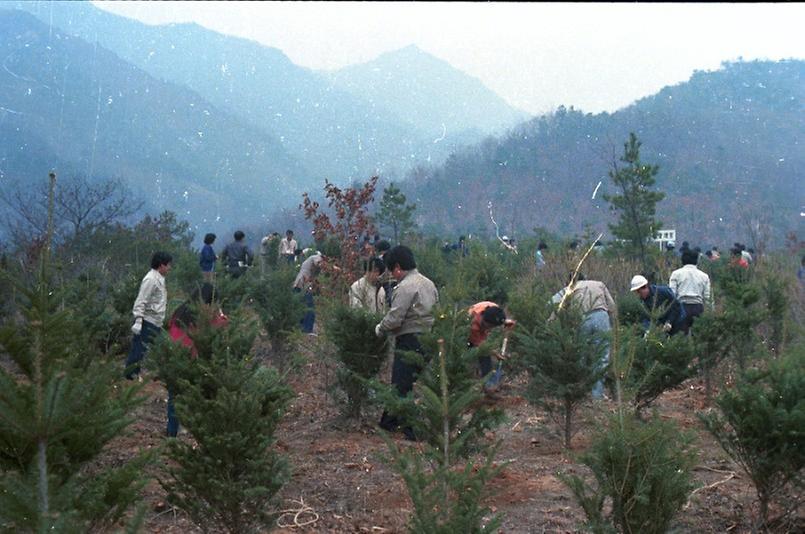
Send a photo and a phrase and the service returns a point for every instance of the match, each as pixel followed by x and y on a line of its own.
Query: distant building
pixel 664 237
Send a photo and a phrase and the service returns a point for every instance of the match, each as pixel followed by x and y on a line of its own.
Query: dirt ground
pixel 339 483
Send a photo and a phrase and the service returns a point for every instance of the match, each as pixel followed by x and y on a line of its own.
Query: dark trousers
pixel 403 373
pixel 691 312
pixel 139 346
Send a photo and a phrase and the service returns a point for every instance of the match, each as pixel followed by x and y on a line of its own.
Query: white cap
pixel 638 281
pixel 505 238
pixel 671 243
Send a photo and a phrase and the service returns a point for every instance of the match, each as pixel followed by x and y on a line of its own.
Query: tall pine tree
pixel 394 213
pixel 635 203
pixel 60 404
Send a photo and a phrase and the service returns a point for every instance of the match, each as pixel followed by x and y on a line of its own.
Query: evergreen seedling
pixel 657 363
pixel 445 484
pixel 360 352
pixel 760 423
pixel 230 405
pixel 642 469
pixel 60 405
pixel 563 361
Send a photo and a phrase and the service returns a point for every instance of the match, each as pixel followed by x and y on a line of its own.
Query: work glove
pixel 137 327
pixel 378 332
pixel 666 327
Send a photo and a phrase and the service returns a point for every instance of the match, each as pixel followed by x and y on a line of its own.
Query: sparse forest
pixel 279 429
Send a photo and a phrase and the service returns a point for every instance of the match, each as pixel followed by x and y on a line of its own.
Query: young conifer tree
pixel 642 471
pixel 760 423
pixel 360 352
pixel 635 201
pixel 231 406
pixel 60 405
pixel 447 478
pixel 563 362
pixel 656 361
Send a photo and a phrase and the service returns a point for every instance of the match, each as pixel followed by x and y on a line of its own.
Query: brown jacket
pixel 412 303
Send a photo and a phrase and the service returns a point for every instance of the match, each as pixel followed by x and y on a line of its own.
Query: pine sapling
pixel 360 352
pixel 445 483
pixel 231 406
pixel 760 423
pixel 563 362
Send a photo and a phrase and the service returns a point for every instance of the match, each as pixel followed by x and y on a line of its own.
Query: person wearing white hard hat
pixel 660 299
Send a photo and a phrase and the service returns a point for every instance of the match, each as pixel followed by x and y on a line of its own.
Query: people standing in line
pixel 660 299
pixel 410 315
pixel 304 283
pixel 484 317
pixel 149 311
pixel 599 310
pixel 691 287
pixel 288 248
pixel 180 327
pixel 237 256
pixel 539 256
pixel 207 258
pixel 366 292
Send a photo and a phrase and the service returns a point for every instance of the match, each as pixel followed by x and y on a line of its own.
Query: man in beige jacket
pixel 410 315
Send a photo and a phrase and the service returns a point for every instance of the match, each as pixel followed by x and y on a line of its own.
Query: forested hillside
pixel 728 144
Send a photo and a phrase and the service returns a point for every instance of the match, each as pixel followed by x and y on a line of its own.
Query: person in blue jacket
pixel 660 299
pixel 207 258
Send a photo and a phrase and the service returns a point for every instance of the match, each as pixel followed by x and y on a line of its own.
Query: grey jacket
pixel 412 303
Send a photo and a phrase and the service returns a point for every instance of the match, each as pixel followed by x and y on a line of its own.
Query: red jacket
pixel 179 334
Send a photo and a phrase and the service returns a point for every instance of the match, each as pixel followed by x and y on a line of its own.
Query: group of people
pixel 393 286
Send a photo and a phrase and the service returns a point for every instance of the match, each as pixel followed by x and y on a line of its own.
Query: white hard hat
pixel 671 243
pixel 505 238
pixel 638 281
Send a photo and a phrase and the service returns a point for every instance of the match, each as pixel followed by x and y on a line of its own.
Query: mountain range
pixel 338 130
pixel 228 132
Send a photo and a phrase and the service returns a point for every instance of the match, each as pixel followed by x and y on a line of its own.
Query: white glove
pixel 666 327
pixel 137 327
pixel 378 332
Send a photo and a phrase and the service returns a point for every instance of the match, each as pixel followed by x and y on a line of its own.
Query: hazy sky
pixel 596 57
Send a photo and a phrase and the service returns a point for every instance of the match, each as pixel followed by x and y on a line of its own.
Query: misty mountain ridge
pixel 428 92
pixel 79 109
pixel 336 134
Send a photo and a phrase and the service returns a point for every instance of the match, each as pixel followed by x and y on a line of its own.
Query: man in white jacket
pixel 692 288
pixel 149 311
pixel 366 291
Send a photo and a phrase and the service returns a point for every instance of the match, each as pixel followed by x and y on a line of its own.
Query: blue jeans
pixel 173 422
pixel 485 365
pixel 310 315
pixel 139 346
pixel 598 321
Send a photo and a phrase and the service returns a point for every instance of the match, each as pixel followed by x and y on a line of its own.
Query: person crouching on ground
pixel 410 315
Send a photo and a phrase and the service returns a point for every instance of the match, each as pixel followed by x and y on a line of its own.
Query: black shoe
pixel 388 423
